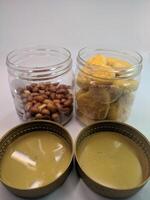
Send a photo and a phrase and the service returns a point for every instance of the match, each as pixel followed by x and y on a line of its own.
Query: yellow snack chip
pixel 117 63
pixel 120 109
pixel 129 85
pixel 104 74
pixel 98 59
pixel 91 107
pixel 100 68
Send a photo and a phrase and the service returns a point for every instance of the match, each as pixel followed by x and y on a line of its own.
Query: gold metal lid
pixel 26 128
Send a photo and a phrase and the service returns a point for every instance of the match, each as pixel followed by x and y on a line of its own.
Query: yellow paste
pixel 111 159
pixel 35 160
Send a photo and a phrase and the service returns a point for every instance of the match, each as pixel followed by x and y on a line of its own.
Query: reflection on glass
pixel 117 144
pixel 24 159
pixel 41 147
pixel 36 184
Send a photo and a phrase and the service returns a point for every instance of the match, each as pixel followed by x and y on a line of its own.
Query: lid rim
pixel 22 68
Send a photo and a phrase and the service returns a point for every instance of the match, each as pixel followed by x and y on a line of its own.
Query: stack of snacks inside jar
pixel 106 82
pixel 52 101
pixel 41 83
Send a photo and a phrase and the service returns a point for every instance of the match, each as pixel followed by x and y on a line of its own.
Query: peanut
pixel 52 95
pixel 38 116
pixel 28 106
pixel 46 101
pixel 56 117
pixel 34 109
pixel 68 102
pixel 35 89
pixel 45 111
pixel 40 107
pixel 51 106
pixel 59 96
pixel 39 98
pixel 62 100
pixel 41 91
pixel 50 101
pixel 62 91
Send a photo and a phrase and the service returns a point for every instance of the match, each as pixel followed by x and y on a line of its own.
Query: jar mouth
pixel 14 57
pixel 39 62
pixel 134 70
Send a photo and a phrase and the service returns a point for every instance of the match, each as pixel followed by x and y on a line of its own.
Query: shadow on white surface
pixel 6 195
pixel 8 121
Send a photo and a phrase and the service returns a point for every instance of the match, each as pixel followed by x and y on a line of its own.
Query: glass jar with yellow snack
pixel 106 82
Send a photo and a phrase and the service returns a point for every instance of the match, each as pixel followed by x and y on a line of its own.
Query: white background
pixel 119 24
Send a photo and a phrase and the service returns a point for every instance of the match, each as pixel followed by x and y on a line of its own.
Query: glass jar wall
pixel 106 82
pixel 41 83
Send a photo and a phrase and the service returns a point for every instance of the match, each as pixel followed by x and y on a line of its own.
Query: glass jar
pixel 41 82
pixel 106 82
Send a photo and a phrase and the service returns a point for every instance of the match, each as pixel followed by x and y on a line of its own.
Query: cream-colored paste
pixel 35 160
pixel 111 159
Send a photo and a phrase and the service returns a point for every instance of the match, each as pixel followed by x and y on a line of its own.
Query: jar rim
pixel 134 70
pixel 19 67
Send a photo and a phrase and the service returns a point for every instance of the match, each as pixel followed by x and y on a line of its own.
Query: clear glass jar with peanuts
pixel 106 82
pixel 41 82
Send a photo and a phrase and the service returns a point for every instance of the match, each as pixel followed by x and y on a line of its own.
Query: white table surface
pixel 75 24
pixel 74 188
